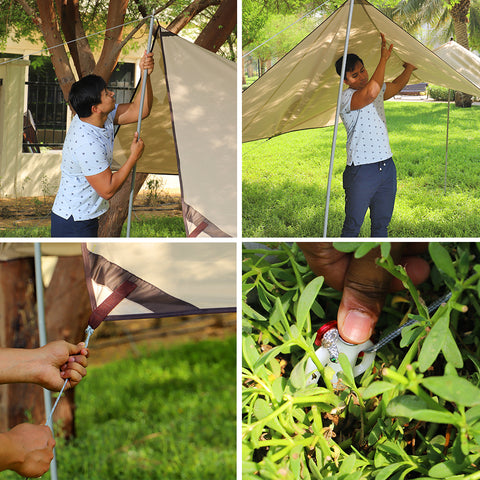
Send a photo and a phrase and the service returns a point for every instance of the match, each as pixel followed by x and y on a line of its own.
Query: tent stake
pixel 446 145
pixel 43 341
pixel 139 126
pixel 337 117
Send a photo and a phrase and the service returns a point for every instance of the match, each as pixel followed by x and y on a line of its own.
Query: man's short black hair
pixel 86 93
pixel 352 60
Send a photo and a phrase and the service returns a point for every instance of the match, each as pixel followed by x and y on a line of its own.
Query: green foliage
pixel 284 179
pixel 414 414
pixel 440 93
pixel 167 415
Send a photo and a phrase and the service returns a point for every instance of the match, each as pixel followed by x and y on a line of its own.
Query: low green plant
pixel 440 93
pixel 415 413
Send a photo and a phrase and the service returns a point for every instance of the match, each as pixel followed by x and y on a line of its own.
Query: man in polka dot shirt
pixel 87 182
pixel 370 178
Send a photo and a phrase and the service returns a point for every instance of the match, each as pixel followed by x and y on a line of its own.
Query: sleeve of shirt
pixel 346 100
pixel 92 158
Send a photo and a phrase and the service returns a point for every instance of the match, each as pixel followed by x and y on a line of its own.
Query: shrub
pixel 440 93
pixel 415 413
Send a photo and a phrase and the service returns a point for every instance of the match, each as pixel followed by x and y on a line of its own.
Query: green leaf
pixel 387 471
pixel 347 465
pixel 410 406
pixel 346 247
pixel 306 300
pixel 442 260
pixel 250 352
pixel 451 351
pixel 473 414
pixel 385 248
pixel 278 388
pixel 434 342
pixel 365 248
pixel 347 369
pixel 249 312
pixel 377 388
pixel 446 469
pixel 262 296
pixel 454 389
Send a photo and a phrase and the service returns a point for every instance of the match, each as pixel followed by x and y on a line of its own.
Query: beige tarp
pixel 192 131
pixel 463 60
pixel 300 91
pixel 171 278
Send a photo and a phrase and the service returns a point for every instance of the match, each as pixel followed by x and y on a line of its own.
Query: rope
pixel 286 28
pixel 398 331
pixel 77 39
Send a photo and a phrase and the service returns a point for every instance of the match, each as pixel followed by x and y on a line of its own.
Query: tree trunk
pixel 112 45
pixel 459 14
pixel 110 224
pixel 218 29
pixel 72 29
pixel 196 7
pixel 51 34
pixel 18 329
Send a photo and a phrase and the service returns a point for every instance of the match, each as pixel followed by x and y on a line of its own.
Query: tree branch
pixel 31 12
pixel 196 7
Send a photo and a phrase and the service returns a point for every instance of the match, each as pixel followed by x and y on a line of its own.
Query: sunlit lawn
pixel 285 179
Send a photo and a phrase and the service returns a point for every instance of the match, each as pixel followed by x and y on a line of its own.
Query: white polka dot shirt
pixel 87 150
pixel 367 136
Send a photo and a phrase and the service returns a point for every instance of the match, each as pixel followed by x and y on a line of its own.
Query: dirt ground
pixel 35 211
pixel 115 340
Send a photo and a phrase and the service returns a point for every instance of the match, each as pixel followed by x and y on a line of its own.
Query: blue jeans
pixel 373 186
pixel 72 228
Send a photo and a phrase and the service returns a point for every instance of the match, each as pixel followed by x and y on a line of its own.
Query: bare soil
pixel 35 211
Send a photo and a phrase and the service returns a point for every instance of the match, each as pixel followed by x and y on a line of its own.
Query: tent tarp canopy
pixel 464 61
pixel 169 279
pixel 300 91
pixel 191 131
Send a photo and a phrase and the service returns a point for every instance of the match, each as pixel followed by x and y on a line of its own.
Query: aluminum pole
pixel 337 117
pixel 43 340
pixel 139 125
pixel 446 145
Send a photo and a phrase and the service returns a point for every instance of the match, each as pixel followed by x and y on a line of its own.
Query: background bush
pixel 440 93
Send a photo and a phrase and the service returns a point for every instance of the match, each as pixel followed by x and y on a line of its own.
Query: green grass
pixel 151 227
pixel 285 179
pixel 169 415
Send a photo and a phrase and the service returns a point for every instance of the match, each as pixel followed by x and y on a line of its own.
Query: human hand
pixel 147 62
pixel 409 66
pixel 29 449
pixel 385 52
pixel 58 361
pixel 137 146
pixel 364 284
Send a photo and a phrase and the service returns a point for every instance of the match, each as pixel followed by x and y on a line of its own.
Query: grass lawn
pixel 168 415
pixel 142 227
pixel 285 178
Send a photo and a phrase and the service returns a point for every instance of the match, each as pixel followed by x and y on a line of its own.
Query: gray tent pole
pixel 139 126
pixel 43 340
pixel 446 145
pixel 337 117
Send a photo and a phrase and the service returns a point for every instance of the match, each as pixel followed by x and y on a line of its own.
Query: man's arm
pixel 128 112
pixel 397 85
pixel 47 366
pixel 107 183
pixel 365 96
pixel 27 449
